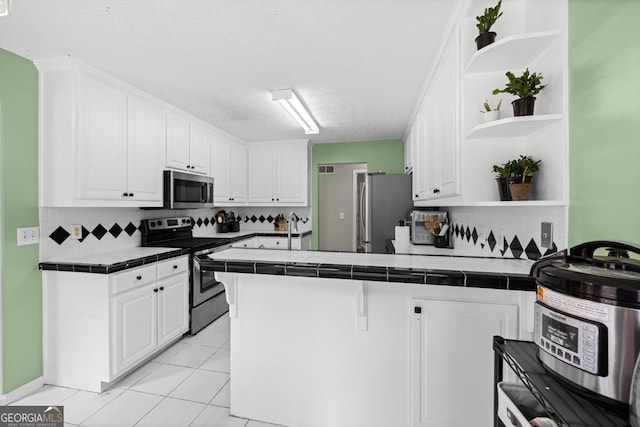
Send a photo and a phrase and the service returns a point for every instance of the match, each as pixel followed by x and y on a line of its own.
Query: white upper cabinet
pixel 278 173
pixel 145 128
pixel 188 144
pixel 101 141
pixel 434 135
pixel 229 170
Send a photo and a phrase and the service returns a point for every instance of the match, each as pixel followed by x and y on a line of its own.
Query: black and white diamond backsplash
pixel 127 229
pixel 462 234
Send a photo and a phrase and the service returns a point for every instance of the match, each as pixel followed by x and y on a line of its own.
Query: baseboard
pixel 20 392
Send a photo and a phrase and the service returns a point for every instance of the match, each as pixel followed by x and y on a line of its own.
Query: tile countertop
pixel 461 271
pixel 123 259
pixel 111 261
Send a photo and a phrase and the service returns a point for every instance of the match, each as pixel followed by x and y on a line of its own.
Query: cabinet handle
pixel 436 190
pixel 130 194
pixel 273 200
pixel 162 288
pixel 124 194
pixel 277 200
pixel 416 196
pixel 155 290
pixel 139 278
pixel 175 266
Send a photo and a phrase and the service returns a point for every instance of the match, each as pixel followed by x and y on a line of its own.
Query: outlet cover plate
pixel 546 235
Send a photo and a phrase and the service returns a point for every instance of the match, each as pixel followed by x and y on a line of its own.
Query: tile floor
pixel 186 385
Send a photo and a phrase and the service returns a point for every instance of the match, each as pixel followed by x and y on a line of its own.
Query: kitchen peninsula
pixel 325 338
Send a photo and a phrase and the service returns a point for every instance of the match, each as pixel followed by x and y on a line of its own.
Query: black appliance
pixel 206 296
pixel 187 191
pixel 587 318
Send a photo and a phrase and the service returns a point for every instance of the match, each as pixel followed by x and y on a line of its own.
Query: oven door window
pixel 208 283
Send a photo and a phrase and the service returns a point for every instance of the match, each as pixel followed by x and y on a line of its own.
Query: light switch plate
pixel 28 236
pixel 546 235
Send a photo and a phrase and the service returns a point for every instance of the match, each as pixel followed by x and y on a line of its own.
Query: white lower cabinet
pixel 452 360
pixel 99 327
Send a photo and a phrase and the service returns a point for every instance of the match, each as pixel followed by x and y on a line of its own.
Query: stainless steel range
pixel 206 296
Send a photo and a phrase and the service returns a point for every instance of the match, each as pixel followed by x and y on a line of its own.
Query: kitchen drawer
pixel 172 266
pixel 517 406
pixel 131 279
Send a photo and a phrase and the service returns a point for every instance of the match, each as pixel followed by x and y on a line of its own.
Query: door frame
pixel 354 192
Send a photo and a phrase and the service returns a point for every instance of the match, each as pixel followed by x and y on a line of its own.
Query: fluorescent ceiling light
pixel 290 101
pixel 5 7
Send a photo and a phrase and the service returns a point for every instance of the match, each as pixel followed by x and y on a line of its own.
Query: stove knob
pixel 159 223
pixel 152 224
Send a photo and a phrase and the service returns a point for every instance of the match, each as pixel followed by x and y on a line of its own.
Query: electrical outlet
pixel 28 236
pixel 76 232
pixel 546 235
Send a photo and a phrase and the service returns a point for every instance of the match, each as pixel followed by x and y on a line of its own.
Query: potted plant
pixel 491 114
pixel 485 22
pixel 514 178
pixel 525 87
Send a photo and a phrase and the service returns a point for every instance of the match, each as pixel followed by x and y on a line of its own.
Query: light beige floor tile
pixel 192 356
pixel 172 413
pixel 170 352
pixel 131 379
pixel 201 386
pixel 125 410
pixel 219 361
pixel 84 404
pixel 254 423
pixel 162 380
pixel 218 417
pixel 223 398
pixel 46 395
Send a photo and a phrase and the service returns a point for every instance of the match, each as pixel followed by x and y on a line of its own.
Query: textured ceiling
pixel 358 64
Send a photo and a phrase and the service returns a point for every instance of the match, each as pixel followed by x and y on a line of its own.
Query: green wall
pixel 604 120
pixel 387 156
pixel 21 279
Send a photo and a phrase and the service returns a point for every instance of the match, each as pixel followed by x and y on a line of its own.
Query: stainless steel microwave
pixel 187 191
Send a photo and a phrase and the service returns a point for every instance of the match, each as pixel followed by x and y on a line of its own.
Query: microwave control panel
pixel 577 342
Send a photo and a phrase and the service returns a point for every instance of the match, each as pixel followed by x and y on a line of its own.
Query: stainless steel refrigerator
pixel 383 201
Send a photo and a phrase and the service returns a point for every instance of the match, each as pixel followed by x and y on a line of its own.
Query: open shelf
pixel 511 53
pixel 513 127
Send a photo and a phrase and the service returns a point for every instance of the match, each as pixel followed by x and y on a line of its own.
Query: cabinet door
pixel 173 310
pixel 291 173
pixel 221 168
pixel 134 335
pixel 145 133
pixel 102 145
pixel 262 164
pixel 238 175
pixel 177 141
pixel 452 378
pixel 199 149
pixel 449 105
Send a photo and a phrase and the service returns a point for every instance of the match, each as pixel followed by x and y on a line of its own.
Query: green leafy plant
pixel 528 84
pixel 517 169
pixel 487 107
pixel 488 18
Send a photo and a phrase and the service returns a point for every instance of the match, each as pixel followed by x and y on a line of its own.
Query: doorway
pixel 337 206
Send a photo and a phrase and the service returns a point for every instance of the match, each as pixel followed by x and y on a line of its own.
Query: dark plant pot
pixel 485 39
pixel 503 189
pixel 524 106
